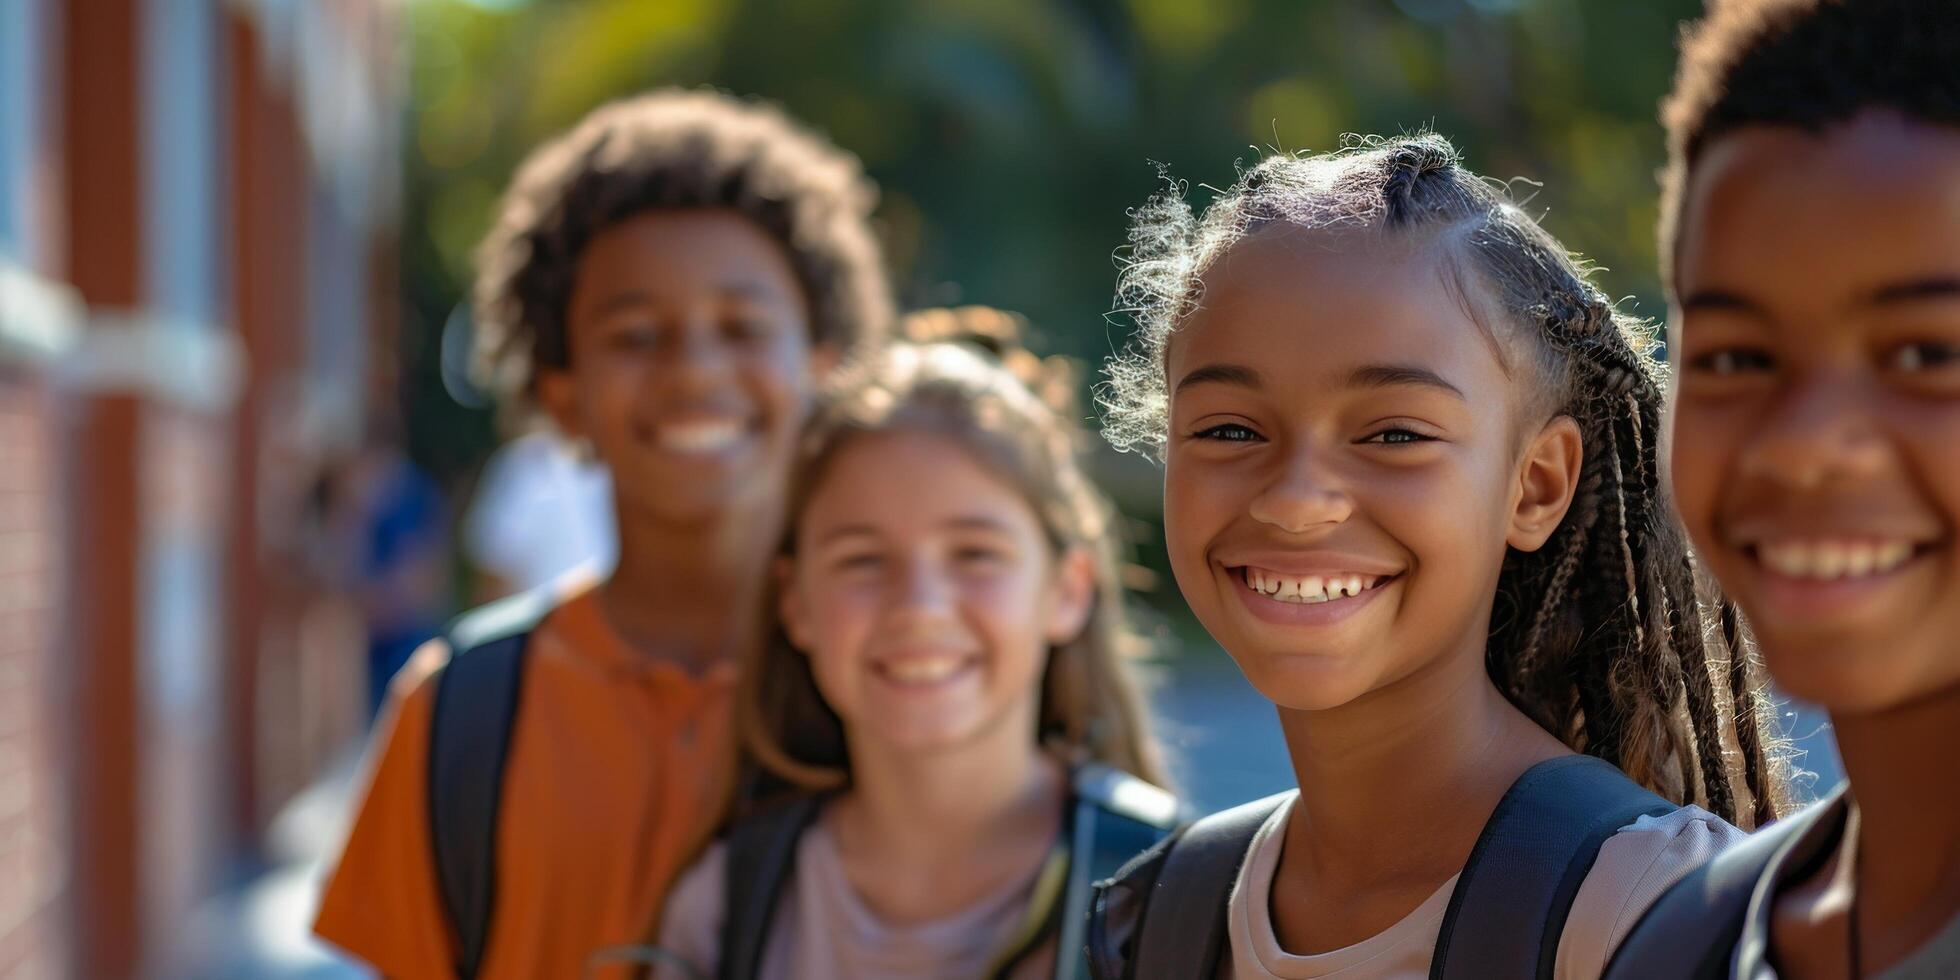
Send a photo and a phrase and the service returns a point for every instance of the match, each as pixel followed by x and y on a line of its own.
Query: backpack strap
pixel 1115 817
pixel 1694 930
pixel 1183 921
pixel 760 852
pixel 475 708
pixel 1509 908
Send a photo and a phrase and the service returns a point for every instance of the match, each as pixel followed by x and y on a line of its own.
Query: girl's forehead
pixel 912 479
pixel 1317 304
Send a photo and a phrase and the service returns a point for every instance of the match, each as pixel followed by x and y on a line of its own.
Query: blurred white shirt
pixel 541 512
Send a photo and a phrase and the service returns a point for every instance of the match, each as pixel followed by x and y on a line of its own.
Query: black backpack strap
pixel 760 852
pixel 475 708
pixel 1115 817
pixel 1511 902
pixel 1183 921
pixel 1694 929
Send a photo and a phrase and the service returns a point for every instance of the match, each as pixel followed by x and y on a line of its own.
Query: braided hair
pixel 1608 637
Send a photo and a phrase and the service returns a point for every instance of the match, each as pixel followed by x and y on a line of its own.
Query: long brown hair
pixel 959 385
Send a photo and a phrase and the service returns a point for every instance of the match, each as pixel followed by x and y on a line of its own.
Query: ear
pixel 790 605
pixel 1072 595
pixel 1548 476
pixel 558 396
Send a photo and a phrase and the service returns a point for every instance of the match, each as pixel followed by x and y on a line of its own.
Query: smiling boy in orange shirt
pixel 668 281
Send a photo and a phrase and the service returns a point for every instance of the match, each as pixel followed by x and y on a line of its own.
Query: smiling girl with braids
pixel 1411 488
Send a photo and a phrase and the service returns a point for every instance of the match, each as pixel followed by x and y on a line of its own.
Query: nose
pixel 921 590
pixel 1817 433
pixel 1302 497
pixel 697 359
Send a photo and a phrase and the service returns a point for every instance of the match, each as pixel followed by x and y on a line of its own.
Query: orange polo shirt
pixel 616 771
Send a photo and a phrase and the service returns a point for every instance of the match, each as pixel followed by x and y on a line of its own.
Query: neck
pixel 1361 818
pixel 926 810
pixel 1908 846
pixel 691 593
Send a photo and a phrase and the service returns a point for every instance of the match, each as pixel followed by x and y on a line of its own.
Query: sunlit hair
pixel 1803 64
pixel 958 386
pixel 673 150
pixel 1607 636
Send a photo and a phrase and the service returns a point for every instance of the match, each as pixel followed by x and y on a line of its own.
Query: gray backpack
pixel 1163 916
pixel 1113 816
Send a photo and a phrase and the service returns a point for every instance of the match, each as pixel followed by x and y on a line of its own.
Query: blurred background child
pixel 668 282
pixel 1812 232
pixel 953 683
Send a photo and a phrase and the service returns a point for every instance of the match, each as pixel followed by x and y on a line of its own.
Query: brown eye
pixel 745 328
pixel 1397 437
pixel 863 561
pixel 1229 432
pixel 1924 356
pixel 979 555
pixel 1732 361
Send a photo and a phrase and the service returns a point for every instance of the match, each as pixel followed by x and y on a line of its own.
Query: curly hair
pixel 673 149
pixel 1608 636
pixel 964 383
pixel 1807 64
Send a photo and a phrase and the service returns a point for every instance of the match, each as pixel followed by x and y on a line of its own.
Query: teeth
pixel 700 437
pixel 1825 560
pixel 1307 588
pixel 923 670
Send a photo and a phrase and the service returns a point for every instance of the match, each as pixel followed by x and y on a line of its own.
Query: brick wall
pixel 31 875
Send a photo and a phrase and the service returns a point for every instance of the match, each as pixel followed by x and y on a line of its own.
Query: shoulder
pixel 1210 854
pixel 401 728
pixel 1688 836
pixel 690 922
pixel 513 615
pixel 381 901
pixel 1116 910
pixel 1700 919
pixel 414 682
pixel 1634 868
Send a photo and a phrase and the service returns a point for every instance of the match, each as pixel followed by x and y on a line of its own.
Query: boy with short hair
pixel 1813 244
pixel 668 281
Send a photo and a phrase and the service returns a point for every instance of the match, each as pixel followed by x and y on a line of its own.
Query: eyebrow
pixel 624 299
pixel 1915 290
pixel 1236 375
pixel 1933 288
pixel 743 289
pixel 979 522
pixel 1397 375
pixel 847 531
pixel 972 522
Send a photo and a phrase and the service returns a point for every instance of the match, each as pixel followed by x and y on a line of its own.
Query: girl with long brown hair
pixel 950 693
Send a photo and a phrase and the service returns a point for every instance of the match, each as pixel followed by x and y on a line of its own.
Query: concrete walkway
pixel 263 929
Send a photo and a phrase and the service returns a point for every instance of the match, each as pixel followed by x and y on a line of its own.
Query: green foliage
pixel 1011 136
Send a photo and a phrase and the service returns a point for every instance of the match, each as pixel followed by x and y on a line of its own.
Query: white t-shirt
pixel 541 512
pixel 822 930
pixel 1634 867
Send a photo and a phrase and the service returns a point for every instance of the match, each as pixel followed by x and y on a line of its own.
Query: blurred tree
pixel 1011 136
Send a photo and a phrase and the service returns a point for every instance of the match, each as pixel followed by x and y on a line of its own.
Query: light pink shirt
pixel 822 930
